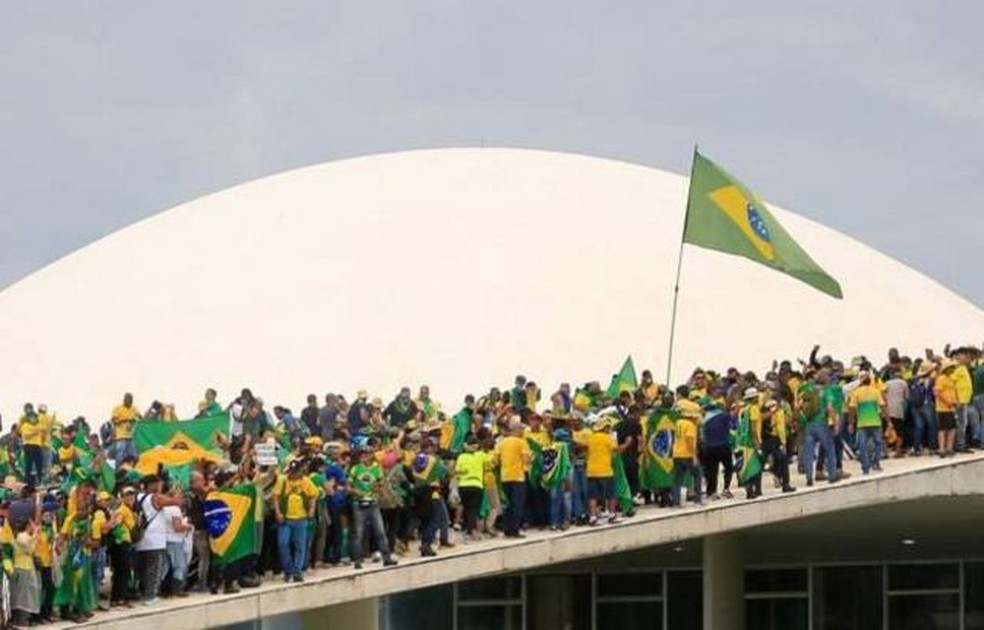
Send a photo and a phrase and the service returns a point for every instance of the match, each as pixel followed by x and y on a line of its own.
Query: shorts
pixel 948 420
pixel 601 488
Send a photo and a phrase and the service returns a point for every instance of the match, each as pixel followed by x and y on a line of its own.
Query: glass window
pixel 847 598
pixel 629 615
pixel 916 612
pixel 912 577
pixel 787 613
pixel 487 618
pixel 558 601
pixel 974 595
pixel 630 584
pixel 685 600
pixel 431 607
pixel 776 581
pixel 489 589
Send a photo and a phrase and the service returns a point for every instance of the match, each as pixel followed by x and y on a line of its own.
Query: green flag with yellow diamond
pixel 723 214
pixel 624 381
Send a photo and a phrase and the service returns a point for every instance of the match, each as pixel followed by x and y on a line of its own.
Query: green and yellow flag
pixel 198 434
pixel 723 214
pixel 625 380
pixel 657 456
pixel 747 462
pixel 229 519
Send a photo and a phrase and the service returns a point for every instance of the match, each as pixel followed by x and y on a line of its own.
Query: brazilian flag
pixel 657 456
pixel 462 425
pixel 624 381
pixel 200 433
pixel 555 465
pixel 723 214
pixel 230 521
pixel 427 469
pixel 536 463
pixel 623 494
pixel 748 464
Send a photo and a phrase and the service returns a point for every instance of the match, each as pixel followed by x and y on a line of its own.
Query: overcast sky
pixel 868 117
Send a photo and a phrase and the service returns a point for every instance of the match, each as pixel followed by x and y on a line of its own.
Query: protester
pixel 243 493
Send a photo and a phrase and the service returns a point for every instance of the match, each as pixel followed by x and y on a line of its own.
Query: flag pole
pixel 676 285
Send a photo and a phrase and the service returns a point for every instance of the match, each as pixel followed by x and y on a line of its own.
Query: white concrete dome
pixel 458 268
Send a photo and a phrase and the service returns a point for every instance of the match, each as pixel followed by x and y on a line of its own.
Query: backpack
pixel 141 522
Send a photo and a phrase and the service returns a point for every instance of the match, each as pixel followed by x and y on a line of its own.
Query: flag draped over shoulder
pixel 723 214
pixel 657 456
pixel 746 457
pixel 624 381
pixel 230 521
pixel 200 433
pixel 555 465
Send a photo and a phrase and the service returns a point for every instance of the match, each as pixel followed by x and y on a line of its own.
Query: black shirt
pixel 626 429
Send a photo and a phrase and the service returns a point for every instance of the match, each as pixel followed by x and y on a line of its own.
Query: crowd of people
pixel 364 480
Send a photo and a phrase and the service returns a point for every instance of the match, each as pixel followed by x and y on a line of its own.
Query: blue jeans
pixel 817 433
pixel 975 416
pixel 560 506
pixel 874 434
pixel 179 561
pixel 292 537
pixel 98 566
pixel 516 495
pixel 124 448
pixel 579 495
pixel 961 441
pixel 363 515
pixel 924 419
pixel 680 469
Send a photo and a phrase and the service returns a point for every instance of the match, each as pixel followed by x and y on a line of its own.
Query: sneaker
pixel 298 577
pixel 456 527
pixel 376 556
pixel 714 497
pixel 250 581
pixel 390 562
pixel 150 602
pixel 593 521
pixel 821 476
pixel 727 494
pixel 358 565
pixel 286 577
pixel 613 520
pixel 789 489
pixel 447 545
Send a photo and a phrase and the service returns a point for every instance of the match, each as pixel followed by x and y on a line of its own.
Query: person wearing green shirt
pixel 364 480
pixel 813 420
pixel 832 401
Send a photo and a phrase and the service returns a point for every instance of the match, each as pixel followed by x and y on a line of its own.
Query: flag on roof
pixel 625 380
pixel 723 214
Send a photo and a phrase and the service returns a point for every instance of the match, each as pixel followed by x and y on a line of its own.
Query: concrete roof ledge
pixel 903 480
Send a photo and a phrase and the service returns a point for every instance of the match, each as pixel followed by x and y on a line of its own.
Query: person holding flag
pixel 657 454
pixel 748 440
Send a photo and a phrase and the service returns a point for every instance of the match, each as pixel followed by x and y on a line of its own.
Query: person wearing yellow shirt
pixel 513 456
pixel 120 545
pixel 294 497
pixel 32 429
pixel 45 556
pixel 648 388
pixel 124 418
pixel 945 390
pixel 470 470
pixel 965 393
pixel 25 585
pixel 773 439
pixel 686 407
pixel 685 460
pixel 601 447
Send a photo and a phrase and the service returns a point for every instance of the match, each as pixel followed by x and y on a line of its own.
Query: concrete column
pixel 363 613
pixel 724 583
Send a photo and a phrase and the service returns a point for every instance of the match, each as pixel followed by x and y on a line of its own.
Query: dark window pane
pixel 974 595
pixel 778 614
pixel 558 601
pixel 685 600
pixel 491 588
pixel 629 616
pixel 625 584
pixel 924 612
pixel 847 598
pixel 775 580
pixel 431 608
pixel 487 618
pixel 919 576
